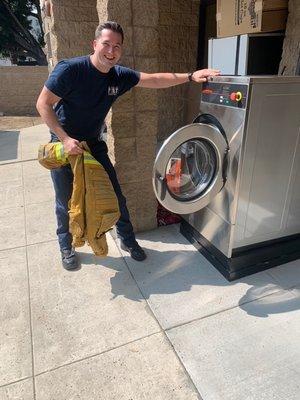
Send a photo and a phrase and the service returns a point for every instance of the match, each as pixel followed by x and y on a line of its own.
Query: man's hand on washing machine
pixel 202 74
pixel 163 80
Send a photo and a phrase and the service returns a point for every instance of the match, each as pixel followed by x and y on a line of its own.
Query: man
pixel 74 103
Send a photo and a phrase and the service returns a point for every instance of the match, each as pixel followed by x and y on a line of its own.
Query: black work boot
pixel 69 259
pixel 136 252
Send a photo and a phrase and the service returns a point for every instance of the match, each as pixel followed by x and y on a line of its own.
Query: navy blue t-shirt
pixel 87 94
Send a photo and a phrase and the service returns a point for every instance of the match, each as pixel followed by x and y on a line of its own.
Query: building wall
pixel 19 89
pixel 178 45
pixel 69 28
pixel 291 46
pixel 132 123
pixel 160 35
pixel 5 62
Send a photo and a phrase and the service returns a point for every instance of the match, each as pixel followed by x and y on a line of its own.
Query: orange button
pixel 207 91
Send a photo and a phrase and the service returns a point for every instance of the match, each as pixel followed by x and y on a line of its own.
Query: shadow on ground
pixel 172 275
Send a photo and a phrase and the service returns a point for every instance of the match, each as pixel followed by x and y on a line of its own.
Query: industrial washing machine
pixel 234 173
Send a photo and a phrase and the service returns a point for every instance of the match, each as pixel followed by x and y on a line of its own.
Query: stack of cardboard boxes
pixel 237 17
pixel 248 41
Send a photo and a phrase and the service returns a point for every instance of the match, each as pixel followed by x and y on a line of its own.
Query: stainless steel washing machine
pixel 234 173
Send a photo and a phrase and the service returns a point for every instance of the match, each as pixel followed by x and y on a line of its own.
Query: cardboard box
pixel 238 17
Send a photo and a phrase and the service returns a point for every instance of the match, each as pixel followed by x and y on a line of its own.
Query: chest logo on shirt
pixel 112 90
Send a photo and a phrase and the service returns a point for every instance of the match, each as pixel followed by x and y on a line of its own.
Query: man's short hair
pixel 113 26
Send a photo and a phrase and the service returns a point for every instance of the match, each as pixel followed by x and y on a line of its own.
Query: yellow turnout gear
pixel 93 207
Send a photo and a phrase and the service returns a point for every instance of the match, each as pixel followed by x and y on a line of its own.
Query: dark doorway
pixel 207 29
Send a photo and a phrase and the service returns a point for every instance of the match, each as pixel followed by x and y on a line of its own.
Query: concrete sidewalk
pixel 168 328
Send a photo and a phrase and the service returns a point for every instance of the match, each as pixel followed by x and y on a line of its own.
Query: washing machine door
pixel 190 168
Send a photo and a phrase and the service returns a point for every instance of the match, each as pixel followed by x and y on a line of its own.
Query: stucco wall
pixel 19 89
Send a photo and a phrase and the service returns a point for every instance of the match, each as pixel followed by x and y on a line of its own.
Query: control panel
pixel 225 94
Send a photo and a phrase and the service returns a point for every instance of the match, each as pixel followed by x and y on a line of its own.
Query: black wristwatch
pixel 190 76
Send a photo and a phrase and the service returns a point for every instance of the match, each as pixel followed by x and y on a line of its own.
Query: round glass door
pixel 187 172
pixel 191 169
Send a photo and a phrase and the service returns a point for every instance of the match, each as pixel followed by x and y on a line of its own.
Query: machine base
pixel 245 260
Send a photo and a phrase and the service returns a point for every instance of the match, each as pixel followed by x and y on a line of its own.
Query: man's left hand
pixel 202 74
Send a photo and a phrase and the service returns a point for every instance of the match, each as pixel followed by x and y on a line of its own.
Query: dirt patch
pixel 12 123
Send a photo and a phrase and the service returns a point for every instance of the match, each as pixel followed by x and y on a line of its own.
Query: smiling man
pixel 74 103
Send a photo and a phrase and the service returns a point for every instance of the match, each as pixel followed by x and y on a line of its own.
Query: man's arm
pixel 44 105
pixel 168 79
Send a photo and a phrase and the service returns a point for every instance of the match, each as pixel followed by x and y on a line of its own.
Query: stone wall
pixel 132 123
pixel 291 46
pixel 178 45
pixel 19 89
pixel 69 28
pixel 160 35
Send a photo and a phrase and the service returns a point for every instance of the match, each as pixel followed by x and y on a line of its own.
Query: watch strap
pixel 190 76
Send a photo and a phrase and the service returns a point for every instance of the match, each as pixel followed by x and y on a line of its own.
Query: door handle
pixel 161 186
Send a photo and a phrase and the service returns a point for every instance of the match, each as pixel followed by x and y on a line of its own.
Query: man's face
pixel 107 49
